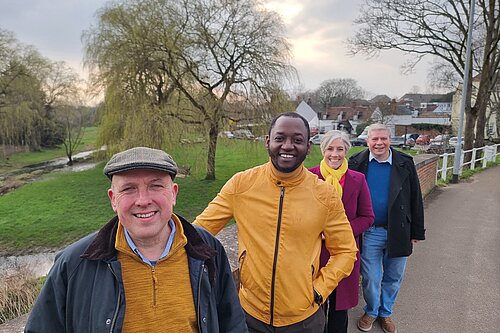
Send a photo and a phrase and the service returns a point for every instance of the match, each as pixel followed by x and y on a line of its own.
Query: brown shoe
pixel 365 323
pixel 387 324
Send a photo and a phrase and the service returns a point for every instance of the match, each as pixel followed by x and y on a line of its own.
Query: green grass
pixel 64 206
pixel 54 211
pixel 19 160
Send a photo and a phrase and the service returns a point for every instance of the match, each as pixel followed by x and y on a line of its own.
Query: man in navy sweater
pixel 399 223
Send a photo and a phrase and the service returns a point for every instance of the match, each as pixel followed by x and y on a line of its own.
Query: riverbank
pixel 37 264
pixel 14 179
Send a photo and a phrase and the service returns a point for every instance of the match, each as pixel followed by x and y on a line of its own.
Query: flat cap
pixel 140 158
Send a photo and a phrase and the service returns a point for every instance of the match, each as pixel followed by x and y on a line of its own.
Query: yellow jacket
pixel 280 219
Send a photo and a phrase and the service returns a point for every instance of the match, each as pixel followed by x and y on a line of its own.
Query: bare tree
pixel 211 52
pixel 59 83
pixel 338 92
pixel 72 120
pixel 438 28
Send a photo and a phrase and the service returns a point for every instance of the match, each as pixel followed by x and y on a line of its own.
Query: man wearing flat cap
pixel 146 270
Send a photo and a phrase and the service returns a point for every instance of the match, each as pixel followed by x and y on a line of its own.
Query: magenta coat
pixel 358 208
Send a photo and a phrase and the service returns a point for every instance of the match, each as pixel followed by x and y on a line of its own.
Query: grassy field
pixel 64 206
pixel 19 160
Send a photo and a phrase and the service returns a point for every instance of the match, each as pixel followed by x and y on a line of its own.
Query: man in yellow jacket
pixel 281 211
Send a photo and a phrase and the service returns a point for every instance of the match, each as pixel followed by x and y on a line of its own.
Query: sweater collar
pixel 286 178
pixel 103 245
pixel 388 160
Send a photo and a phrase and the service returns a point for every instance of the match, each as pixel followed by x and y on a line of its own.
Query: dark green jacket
pixel 84 289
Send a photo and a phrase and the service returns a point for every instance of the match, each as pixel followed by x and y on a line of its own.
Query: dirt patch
pixel 10 185
pixel 15 325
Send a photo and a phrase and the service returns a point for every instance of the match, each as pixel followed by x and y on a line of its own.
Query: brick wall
pixel 426 165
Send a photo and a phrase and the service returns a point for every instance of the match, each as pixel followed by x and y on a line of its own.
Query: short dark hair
pixel 290 115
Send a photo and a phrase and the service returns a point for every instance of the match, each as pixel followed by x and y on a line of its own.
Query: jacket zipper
pixel 312 282
pixel 198 311
pixel 241 260
pixel 278 228
pixel 115 315
pixel 155 284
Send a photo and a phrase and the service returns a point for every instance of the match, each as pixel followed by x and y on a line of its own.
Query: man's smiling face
pixel 379 143
pixel 287 143
pixel 143 200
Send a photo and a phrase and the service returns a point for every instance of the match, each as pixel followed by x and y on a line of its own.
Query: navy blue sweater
pixel 379 180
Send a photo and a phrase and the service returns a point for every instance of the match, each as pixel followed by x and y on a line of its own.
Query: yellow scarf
pixel 332 176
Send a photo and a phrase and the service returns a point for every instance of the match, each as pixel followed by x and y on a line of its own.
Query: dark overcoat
pixel 405 205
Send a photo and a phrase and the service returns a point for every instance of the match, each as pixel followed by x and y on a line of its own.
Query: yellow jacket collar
pixel 286 178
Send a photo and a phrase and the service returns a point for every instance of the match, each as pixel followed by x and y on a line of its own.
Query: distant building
pixel 491 129
pixel 348 117
pixel 399 115
pixel 425 103
pixel 380 99
pixel 311 116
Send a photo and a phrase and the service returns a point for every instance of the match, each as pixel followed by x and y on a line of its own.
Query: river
pixel 39 264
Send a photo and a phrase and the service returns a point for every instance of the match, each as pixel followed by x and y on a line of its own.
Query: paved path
pixel 452 281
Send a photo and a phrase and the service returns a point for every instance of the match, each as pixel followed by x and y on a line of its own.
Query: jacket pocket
pixel 406 221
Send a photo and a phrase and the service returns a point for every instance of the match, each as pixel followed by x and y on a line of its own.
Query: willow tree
pixel 438 28
pixel 31 87
pixel 210 53
pixel 21 96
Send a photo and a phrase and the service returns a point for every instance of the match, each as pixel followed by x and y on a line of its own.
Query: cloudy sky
pixel 317 30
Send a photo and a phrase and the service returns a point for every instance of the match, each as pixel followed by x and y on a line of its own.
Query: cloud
pixel 54 27
pixel 317 30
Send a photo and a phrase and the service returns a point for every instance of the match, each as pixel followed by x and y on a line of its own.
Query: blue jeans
pixel 382 276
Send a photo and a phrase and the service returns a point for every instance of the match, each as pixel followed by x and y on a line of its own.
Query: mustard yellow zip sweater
pixel 280 219
pixel 158 298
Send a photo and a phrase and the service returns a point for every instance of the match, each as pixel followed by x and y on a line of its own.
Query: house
pixel 420 101
pixel 491 129
pixel 393 115
pixel 311 116
pixel 380 99
pixel 398 115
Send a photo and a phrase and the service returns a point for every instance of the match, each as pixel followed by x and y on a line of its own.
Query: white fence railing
pixel 489 155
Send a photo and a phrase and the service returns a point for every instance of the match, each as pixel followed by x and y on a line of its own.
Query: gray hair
pixel 378 127
pixel 334 135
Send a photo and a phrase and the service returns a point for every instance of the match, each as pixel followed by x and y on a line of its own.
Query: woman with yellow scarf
pixel 353 189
